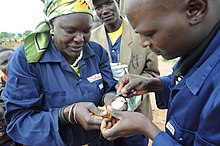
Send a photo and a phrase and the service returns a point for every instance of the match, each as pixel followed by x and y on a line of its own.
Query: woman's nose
pixel 79 37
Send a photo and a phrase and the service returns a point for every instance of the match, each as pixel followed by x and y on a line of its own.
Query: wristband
pixel 70 114
pixel 61 116
pixel 74 113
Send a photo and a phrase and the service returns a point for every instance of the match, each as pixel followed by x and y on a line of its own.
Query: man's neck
pixel 113 26
pixel 189 60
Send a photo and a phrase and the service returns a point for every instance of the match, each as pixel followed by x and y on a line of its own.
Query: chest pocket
pixel 183 136
pixel 54 99
pixel 93 92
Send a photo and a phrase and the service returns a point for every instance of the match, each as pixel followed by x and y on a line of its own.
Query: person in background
pixel 123 46
pixel 189 29
pixel 57 79
pixel 96 22
pixel 5 140
pixel 5 53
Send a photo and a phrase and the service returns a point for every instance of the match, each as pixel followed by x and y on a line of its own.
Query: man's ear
pixel 196 10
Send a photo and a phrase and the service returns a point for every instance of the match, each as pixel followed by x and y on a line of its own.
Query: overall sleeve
pixel 27 122
pixel 162 99
pixel 208 129
pixel 162 102
pixel 164 139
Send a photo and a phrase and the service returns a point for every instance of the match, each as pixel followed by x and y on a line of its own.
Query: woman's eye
pixel 87 31
pixel 4 62
pixel 69 31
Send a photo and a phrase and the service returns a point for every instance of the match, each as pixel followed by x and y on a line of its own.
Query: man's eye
pixel 97 8
pixel 108 3
pixel 150 34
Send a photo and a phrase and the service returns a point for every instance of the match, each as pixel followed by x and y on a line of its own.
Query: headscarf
pixel 36 43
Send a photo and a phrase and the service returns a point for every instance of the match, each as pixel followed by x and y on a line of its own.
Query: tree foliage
pixel 9 36
pixel 26 33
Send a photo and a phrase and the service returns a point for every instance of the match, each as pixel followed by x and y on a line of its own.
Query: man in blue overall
pixel 189 29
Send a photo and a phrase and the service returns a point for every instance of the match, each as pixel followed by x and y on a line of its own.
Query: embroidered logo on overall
pixel 170 128
pixel 94 77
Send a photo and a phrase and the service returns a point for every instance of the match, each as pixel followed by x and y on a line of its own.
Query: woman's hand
pixel 128 124
pixel 132 85
pixel 86 114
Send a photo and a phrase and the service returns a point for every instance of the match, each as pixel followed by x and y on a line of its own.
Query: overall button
pixel 180 139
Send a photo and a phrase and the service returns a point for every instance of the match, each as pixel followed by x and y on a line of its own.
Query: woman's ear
pixel 51 23
pixel 196 10
pixel 51 27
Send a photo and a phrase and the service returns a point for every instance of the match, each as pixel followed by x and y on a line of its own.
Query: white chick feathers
pixel 120 103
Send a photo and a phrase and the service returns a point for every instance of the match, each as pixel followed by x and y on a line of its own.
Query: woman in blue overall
pixel 57 79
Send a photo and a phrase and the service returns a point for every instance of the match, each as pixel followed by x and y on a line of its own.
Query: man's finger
pixel 115 113
pixel 107 131
pixel 122 82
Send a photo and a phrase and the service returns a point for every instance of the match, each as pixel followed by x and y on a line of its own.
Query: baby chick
pixel 120 103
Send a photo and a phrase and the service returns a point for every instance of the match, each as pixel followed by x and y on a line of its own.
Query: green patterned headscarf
pixel 36 43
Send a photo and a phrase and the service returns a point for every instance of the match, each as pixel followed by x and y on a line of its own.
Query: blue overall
pixel 34 93
pixel 193 103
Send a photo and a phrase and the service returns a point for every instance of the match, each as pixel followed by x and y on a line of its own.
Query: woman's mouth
pixel 75 48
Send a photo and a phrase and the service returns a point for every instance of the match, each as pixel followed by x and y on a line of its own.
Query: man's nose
pixel 144 42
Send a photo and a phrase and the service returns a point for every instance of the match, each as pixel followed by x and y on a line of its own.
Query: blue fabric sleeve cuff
pixel 55 131
pixel 163 139
pixel 163 98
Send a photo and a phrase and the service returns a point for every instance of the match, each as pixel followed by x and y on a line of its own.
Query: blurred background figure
pixel 5 140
